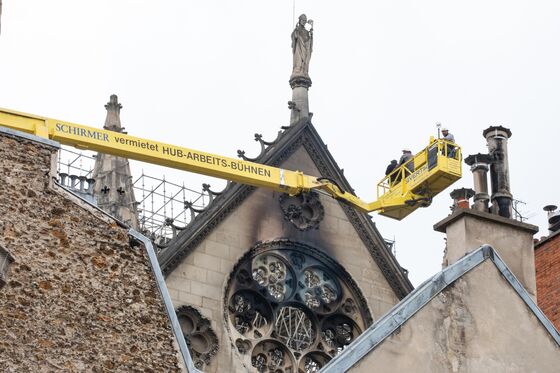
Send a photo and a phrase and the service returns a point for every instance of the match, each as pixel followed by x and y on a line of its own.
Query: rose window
pixel 290 308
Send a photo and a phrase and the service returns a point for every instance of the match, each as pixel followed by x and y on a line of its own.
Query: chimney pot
pixel 461 197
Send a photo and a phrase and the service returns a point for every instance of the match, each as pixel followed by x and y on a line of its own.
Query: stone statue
pixel 302 46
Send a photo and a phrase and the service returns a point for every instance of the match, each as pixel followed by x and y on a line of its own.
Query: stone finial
pixel 113 119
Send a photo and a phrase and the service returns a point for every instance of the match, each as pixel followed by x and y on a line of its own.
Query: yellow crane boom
pixel 434 169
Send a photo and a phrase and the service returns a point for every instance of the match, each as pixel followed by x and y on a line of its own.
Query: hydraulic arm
pixel 397 198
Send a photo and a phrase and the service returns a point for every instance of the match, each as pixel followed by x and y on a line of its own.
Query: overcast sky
pixel 209 74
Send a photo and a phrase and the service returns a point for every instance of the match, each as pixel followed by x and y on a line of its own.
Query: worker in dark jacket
pixel 390 168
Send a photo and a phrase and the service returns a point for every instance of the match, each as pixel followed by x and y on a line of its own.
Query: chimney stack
pixel 497 139
pixel 469 228
pixel 479 167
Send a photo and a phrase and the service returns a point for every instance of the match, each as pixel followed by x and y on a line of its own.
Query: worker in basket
pixel 406 156
pixel 449 137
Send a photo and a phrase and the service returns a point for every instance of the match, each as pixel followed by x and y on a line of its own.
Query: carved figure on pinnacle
pixel 302 46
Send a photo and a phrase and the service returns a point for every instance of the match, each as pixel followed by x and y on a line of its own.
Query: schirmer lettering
pixel 83 132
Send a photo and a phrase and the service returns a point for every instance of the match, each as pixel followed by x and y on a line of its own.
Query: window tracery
pixel 291 308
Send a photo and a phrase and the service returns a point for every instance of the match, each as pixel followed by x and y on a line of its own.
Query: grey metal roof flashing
pixel 416 300
pixel 27 136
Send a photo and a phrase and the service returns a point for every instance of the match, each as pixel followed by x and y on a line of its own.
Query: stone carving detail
pixel 290 308
pixel 249 312
pixel 337 332
pixel 200 338
pixel 269 271
pixel 304 211
pixel 271 356
pixel 319 290
pixel 243 345
pixel 349 306
pixel 313 362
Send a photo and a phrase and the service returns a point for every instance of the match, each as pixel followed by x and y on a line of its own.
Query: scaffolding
pixel 71 162
pixel 164 207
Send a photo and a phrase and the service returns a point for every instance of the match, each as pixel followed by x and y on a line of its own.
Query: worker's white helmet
pixel 444 129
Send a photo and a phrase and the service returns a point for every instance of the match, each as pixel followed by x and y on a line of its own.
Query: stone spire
pixel 113 119
pixel 302 46
pixel 113 179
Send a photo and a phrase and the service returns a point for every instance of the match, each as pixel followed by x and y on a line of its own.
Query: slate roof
pixel 274 153
pixel 422 295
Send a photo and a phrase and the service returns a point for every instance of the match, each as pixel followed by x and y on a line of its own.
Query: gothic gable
pixel 275 153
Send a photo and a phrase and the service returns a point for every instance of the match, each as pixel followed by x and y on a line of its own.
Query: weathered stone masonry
pixel 78 297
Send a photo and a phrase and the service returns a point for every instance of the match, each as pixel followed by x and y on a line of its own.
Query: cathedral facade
pixel 283 282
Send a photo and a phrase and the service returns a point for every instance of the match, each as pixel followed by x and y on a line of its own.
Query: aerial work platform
pixel 400 193
pixel 434 169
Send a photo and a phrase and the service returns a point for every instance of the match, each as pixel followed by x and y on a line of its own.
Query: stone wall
pixel 200 280
pixel 547 264
pixel 78 297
